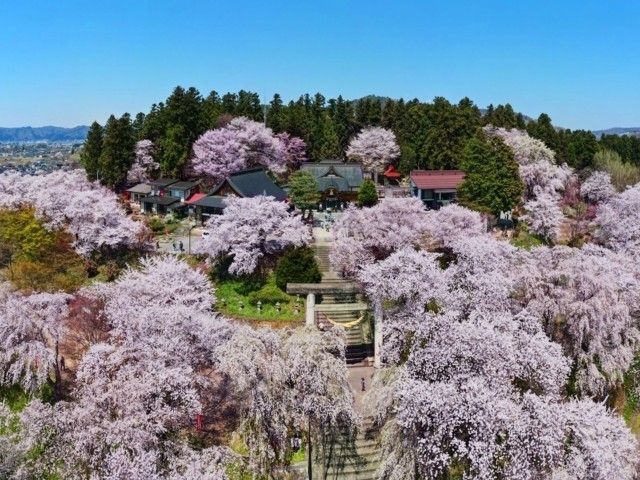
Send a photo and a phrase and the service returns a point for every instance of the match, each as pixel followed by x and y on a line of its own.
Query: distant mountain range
pixel 632 131
pixel 78 134
pixel 43 134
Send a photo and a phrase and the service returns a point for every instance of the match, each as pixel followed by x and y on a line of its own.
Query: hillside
pixel 633 131
pixel 43 134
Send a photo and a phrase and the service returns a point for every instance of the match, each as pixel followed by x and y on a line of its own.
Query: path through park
pixel 348 308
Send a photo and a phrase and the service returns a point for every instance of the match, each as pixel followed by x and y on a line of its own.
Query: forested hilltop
pixel 43 134
pixel 430 135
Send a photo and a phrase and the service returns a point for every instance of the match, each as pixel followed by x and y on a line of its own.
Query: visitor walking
pixel 363 384
pixel 181 246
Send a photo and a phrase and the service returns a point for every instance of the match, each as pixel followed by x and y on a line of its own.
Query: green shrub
pixel 297 265
pixel 367 195
pixel 155 224
pixel 622 173
pixel 268 294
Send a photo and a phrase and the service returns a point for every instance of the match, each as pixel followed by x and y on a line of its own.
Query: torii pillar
pixel 377 336
pixel 310 312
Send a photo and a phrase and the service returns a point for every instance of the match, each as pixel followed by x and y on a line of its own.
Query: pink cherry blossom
pixel 374 148
pixel 144 165
pixel 597 187
pixel 251 229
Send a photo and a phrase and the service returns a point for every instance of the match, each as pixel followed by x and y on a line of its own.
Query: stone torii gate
pixel 337 288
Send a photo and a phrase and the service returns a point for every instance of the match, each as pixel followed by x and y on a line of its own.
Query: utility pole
pixel 189 234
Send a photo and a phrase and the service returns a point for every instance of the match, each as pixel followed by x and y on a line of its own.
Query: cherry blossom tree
pixel 526 149
pixel 362 236
pixel 294 380
pixel 144 165
pixel 251 230
pixel 544 216
pixel 321 399
pixel 482 396
pixel 598 187
pixel 374 147
pixel 600 446
pixel 243 143
pixel 252 359
pixel 587 300
pixel 294 150
pixel 30 329
pixel 217 154
pixel 617 220
pixel 484 275
pixel 453 222
pixel 545 177
pixel 537 162
pixel 89 211
pixel 142 385
pixel 129 407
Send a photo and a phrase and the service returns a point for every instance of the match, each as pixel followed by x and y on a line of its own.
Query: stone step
pixel 342 307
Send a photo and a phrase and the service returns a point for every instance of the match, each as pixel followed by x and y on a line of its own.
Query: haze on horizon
pixel 69 63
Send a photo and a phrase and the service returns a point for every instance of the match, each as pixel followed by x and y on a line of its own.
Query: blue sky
pixel 72 62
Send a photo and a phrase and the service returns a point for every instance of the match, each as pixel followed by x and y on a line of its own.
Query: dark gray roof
pixel 335 174
pixel 166 200
pixel 183 185
pixel 211 202
pixel 140 188
pixel 339 183
pixel 162 182
pixel 251 183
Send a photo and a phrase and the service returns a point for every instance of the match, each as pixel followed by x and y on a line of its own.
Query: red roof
pixel 391 172
pixel 195 197
pixel 437 179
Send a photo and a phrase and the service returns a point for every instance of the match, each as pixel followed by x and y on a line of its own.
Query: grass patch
pixel 163 225
pixel 236 298
pixel 14 397
pixel 525 239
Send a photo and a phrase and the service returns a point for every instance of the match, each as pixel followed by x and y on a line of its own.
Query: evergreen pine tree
pixel 303 190
pixel 90 156
pixel 492 183
pixel 367 195
pixel 212 108
pixel 118 151
pixel 275 115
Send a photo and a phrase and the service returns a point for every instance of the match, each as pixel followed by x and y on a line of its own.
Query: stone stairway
pixel 344 459
pixel 360 464
pixel 342 308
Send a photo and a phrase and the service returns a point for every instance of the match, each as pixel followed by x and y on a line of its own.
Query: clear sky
pixel 71 62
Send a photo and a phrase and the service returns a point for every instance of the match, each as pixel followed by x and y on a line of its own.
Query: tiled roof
pixel 437 179
pixel 162 182
pixel 182 185
pixel 211 201
pixel 349 174
pixel 251 183
pixel 140 188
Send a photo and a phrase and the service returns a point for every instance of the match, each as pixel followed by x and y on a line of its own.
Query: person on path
pixel 363 384
pixel 181 246
pixel 174 246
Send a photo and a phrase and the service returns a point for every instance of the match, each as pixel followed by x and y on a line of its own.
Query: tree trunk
pixel 309 460
pixel 57 386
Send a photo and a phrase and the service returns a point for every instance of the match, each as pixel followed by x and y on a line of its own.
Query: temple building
pixel 338 181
